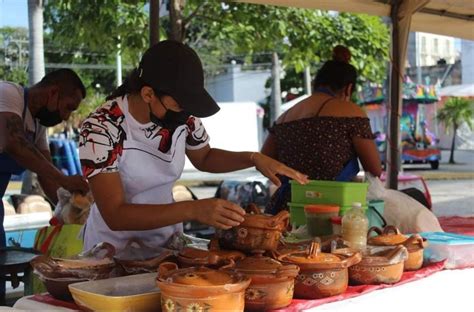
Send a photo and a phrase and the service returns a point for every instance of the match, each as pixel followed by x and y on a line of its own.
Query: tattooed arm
pixel 49 186
pixel 27 155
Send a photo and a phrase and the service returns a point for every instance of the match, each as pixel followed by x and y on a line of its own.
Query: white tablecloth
pixel 447 291
pixel 25 304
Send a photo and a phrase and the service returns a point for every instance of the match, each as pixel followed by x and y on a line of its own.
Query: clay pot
pixel 214 257
pixel 272 282
pixel 381 265
pixel 96 263
pixel 137 258
pixel 57 273
pixel 321 274
pixel 391 236
pixel 258 232
pixel 200 289
pixel 415 246
pixel 58 287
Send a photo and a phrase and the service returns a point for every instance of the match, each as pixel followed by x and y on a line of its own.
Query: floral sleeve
pixel 101 140
pixel 197 136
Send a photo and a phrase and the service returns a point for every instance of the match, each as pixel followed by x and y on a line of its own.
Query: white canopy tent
pixel 446 17
pixel 464 90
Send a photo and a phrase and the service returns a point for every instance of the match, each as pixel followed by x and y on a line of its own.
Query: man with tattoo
pixel 25 113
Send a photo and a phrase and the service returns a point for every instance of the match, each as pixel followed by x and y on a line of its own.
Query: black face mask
pixel 171 120
pixel 48 118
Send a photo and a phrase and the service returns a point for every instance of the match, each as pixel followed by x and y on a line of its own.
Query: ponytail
pixel 131 84
pixel 337 73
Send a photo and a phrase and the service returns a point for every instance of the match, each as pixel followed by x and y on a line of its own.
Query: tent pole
pixel 393 162
pixel 275 108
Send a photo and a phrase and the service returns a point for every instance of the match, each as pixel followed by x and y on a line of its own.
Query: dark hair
pixel 132 84
pixel 66 79
pixel 337 73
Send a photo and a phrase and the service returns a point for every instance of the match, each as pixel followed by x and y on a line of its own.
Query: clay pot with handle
pixel 321 274
pixel 258 232
pixel 138 258
pixel 415 246
pixel 272 282
pixel 391 236
pixel 200 289
pixel 214 257
pixel 380 265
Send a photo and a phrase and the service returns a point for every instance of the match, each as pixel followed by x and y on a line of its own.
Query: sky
pixel 13 13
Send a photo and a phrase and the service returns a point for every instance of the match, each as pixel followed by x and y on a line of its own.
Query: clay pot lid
pixel 258 264
pixel 312 256
pixel 390 236
pixel 255 218
pixel 200 276
pixel 384 255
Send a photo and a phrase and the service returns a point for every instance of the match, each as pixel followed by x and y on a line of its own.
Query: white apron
pixel 148 176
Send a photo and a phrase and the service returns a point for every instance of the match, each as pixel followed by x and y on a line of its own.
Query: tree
pixel 36 55
pixel 455 112
pixel 14 55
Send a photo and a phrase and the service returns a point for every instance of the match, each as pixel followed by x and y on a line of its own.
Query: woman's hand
pixel 270 167
pixel 218 213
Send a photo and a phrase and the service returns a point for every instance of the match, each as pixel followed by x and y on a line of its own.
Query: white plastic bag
pixel 72 208
pixel 402 211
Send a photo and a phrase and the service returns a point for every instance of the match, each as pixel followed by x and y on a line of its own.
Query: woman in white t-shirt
pixel 133 150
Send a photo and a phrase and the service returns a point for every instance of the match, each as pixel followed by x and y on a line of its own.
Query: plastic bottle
pixel 355 225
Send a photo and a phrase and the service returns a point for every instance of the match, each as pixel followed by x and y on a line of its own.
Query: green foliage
pixel 16 75
pixel 13 55
pixel 455 112
pixel 88 32
pixel 302 37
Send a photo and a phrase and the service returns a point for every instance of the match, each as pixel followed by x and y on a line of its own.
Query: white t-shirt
pixel 104 133
pixel 12 101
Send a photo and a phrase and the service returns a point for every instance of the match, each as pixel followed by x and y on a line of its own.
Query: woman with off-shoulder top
pixel 324 134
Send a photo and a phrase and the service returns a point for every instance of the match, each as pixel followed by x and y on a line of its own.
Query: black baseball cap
pixel 175 69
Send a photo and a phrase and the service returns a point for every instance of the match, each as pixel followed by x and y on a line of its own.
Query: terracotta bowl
pixel 58 287
pixel 383 265
pixel 272 283
pixel 200 289
pixel 415 246
pixel 256 233
pixel 212 258
pixel 321 274
pixel 391 236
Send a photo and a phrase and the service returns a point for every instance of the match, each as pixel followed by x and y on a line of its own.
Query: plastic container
pixel 457 250
pixel 318 219
pixel 345 209
pixel 297 216
pixel 355 226
pixel 375 213
pixel 336 223
pixel 329 192
pixel 127 293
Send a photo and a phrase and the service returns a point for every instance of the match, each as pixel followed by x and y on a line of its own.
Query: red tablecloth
pixel 354 291
pixel 48 299
pixel 297 304
pixel 458 225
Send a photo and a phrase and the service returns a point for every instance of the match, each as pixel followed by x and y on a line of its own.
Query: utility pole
pixel 307 80
pixel 275 105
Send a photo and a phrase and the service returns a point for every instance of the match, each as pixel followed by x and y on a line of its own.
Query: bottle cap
pixel 357 205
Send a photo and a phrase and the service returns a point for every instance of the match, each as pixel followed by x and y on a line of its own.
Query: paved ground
pixel 451 186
